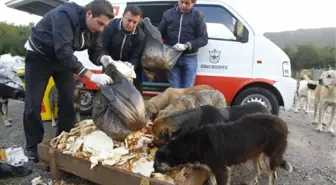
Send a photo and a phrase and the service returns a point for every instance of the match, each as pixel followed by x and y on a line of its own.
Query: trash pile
pixel 135 154
pixel 40 181
pixel 14 156
pixel 9 66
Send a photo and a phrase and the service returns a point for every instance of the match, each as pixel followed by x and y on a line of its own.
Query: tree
pixel 13 38
pixel 307 56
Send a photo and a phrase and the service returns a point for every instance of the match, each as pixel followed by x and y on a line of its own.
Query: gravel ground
pixel 312 154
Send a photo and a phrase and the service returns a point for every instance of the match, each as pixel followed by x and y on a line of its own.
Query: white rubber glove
pixel 106 60
pixel 180 47
pixel 101 79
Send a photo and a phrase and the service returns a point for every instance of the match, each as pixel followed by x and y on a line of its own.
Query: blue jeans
pixel 183 73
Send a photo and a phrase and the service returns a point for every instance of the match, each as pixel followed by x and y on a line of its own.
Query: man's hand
pixel 180 47
pixel 101 79
pixel 106 60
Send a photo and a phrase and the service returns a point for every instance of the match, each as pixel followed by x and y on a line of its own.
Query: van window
pixel 218 18
pixel 154 13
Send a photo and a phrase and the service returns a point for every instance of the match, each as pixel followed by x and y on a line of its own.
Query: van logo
pixel 214 56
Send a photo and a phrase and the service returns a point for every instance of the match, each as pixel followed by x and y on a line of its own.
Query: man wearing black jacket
pixel 184 28
pixel 50 52
pixel 124 40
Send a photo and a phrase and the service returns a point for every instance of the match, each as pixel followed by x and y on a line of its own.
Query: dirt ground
pixel 312 154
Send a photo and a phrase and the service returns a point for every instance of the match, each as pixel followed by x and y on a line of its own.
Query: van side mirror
pixel 241 32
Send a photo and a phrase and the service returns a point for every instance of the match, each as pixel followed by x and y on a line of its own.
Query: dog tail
pixel 305 77
pixel 286 165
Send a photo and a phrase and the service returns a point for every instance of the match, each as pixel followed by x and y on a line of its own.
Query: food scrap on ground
pixel 13 156
pixel 40 181
pixel 135 154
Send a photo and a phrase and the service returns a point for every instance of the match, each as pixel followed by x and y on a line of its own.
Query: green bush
pixel 13 38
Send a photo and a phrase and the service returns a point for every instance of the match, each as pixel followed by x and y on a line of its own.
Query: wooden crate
pixel 61 164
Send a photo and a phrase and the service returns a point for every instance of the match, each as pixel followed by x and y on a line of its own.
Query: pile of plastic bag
pixel 156 56
pixel 9 66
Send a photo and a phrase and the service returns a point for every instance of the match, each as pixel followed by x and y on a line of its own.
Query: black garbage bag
pixel 156 56
pixel 11 92
pixel 119 107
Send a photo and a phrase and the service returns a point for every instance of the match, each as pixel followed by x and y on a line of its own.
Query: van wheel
pixel 261 95
pixel 86 102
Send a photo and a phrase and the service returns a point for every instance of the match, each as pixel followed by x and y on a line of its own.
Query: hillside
pixel 319 37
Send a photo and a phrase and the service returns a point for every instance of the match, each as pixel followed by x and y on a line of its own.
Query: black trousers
pixel 38 70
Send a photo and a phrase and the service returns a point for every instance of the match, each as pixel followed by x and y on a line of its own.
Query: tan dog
pixel 193 100
pixel 161 101
pixel 325 95
pixel 303 94
pixel 54 100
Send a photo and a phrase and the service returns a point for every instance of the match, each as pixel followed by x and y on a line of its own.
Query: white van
pixel 244 65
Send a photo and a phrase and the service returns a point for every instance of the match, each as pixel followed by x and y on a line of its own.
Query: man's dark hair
pixel 134 10
pixel 100 7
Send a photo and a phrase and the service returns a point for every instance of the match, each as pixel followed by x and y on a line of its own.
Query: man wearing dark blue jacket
pixel 50 52
pixel 124 40
pixel 184 28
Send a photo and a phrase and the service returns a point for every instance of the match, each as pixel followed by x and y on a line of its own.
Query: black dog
pixel 6 93
pixel 238 111
pixel 219 146
pixel 165 128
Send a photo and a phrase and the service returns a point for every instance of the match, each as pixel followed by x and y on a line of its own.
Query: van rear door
pixel 36 7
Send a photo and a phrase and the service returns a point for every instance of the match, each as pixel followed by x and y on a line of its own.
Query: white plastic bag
pixel 125 68
pixel 9 66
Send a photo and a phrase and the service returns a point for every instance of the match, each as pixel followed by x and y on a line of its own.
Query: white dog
pixel 303 95
pixel 325 95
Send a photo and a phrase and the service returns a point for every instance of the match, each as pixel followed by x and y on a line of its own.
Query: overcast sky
pixel 264 15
